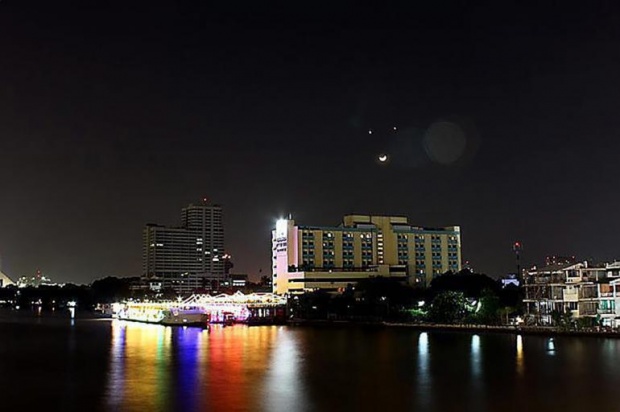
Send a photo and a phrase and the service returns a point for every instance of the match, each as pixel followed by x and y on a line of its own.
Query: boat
pixel 200 310
pixel 172 316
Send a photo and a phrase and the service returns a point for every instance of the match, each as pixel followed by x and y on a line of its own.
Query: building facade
pixel 188 257
pixel 330 258
pixel 5 280
pixel 578 289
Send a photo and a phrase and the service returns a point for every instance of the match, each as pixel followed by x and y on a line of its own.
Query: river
pixel 54 363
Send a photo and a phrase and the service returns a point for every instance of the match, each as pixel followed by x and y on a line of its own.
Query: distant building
pixel 39 279
pixel 238 281
pixel 330 258
pixel 560 260
pixel 187 257
pixel 510 280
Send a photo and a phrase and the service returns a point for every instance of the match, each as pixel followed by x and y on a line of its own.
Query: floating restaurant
pixel 200 310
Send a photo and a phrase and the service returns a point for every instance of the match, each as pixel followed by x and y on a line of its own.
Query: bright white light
pixel 116 307
pixel 383 158
pixel 281 226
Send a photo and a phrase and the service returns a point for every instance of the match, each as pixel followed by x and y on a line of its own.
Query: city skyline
pixel 497 119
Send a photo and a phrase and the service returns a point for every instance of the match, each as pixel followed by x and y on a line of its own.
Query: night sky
pixel 115 114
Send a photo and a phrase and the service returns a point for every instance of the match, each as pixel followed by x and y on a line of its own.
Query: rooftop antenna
pixel 517 247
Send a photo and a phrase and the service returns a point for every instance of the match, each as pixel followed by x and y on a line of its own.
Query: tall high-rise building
pixel 188 257
pixel 330 258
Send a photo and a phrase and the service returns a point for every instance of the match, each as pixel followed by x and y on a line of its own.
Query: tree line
pixel 462 297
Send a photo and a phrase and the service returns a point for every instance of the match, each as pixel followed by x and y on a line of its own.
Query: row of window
pixel 348 254
pixel 328 243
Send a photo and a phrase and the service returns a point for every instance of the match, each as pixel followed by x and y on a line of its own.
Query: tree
pixel 505 312
pixel 470 284
pixel 381 289
pixel 110 289
pixel 562 320
pixel 311 305
pixel 448 307
pixel 488 311
pixel 386 297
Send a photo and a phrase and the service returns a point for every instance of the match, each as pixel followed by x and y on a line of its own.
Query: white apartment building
pixel 578 289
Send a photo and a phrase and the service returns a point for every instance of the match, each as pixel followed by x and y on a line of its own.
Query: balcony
pixel 606 311
pixel 571 297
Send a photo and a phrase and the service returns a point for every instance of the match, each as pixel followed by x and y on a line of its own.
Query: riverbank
pixel 466 328
pixel 515 330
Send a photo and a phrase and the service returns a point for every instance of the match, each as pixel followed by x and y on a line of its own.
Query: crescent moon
pixel 383 158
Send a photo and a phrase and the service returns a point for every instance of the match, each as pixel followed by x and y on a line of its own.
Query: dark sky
pixel 115 114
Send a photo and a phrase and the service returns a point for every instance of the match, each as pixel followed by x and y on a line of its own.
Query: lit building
pixel 510 280
pixel 578 289
pixel 188 257
pixel 5 280
pixel 560 260
pixel 330 258
pixel 238 281
pixel 39 279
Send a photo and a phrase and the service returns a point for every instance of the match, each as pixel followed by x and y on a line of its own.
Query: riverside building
pixel 580 290
pixel 330 258
pixel 187 257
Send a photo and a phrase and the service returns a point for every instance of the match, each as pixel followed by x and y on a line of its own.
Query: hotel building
pixel 188 257
pixel 330 258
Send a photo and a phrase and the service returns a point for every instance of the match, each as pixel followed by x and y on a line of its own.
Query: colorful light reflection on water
pixel 153 367
pixel 48 363
pixel 240 368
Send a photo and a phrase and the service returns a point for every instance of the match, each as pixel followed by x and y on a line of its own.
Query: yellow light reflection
pixel 138 377
pixel 146 366
pixel 520 361
pixel 117 368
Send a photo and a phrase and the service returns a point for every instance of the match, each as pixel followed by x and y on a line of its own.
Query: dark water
pixel 50 364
